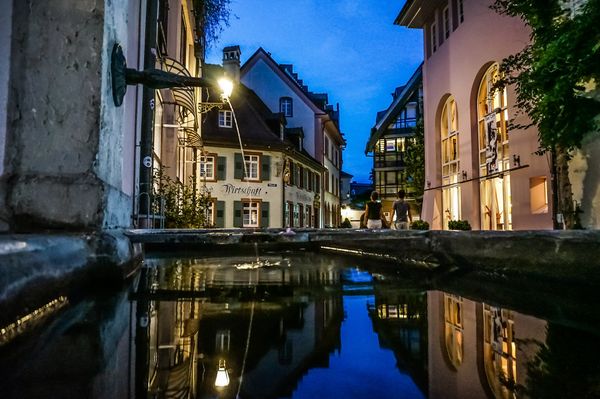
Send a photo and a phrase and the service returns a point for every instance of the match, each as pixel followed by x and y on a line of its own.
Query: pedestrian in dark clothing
pixel 373 212
pixel 402 211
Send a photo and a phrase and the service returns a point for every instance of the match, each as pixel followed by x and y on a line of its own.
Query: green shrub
pixel 182 205
pixel 419 225
pixel 346 224
pixel 459 225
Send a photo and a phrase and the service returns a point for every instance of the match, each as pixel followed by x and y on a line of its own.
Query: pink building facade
pixel 476 169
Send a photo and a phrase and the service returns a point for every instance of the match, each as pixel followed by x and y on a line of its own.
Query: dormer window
pixel 225 119
pixel 286 106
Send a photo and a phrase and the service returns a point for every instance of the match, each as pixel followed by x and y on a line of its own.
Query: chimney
pixel 231 62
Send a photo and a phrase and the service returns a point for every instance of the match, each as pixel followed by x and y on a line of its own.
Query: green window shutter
pixel 220 214
pixel 221 168
pixel 265 167
pixel 264 214
pixel 237 213
pixel 238 172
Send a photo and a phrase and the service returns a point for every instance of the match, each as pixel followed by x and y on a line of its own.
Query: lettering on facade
pixel 233 189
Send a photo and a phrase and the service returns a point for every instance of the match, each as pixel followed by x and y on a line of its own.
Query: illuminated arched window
pixel 492 116
pixel 450 162
pixel 453 329
pixel 499 351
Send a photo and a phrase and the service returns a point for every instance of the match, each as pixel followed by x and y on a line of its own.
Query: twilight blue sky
pixel 349 49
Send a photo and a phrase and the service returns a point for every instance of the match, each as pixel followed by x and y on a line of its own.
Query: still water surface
pixel 307 326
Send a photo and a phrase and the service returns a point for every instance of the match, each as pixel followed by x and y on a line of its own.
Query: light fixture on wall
pixel 155 79
pixel 222 379
pixel 464 175
pixel 428 184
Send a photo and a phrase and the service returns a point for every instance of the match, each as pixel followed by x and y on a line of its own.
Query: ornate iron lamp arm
pixel 152 78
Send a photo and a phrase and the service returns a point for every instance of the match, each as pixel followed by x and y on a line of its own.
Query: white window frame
pixel 211 212
pixel 286 106
pixel 447 22
pixel 252 162
pixel 206 167
pixel 225 119
pixel 250 208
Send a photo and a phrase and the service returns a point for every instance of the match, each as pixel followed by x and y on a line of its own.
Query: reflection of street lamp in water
pixel 222 379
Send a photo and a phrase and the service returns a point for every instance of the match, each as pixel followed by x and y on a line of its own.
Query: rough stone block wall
pixel 64 152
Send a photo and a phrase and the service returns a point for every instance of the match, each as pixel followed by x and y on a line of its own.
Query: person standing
pixel 373 212
pixel 402 211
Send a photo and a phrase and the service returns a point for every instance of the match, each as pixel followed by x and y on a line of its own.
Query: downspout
pixel 146 133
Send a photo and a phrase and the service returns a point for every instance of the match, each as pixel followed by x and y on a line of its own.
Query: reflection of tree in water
pixel 568 365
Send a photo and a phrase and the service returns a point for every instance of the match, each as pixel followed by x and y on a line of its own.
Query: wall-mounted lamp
pixel 428 184
pixel 222 379
pixel 464 175
pixel 155 78
pixel 516 160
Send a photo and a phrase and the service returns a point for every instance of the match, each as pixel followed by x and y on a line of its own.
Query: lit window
pixel 225 119
pixel 286 106
pixel 252 164
pixel 250 214
pixel 538 194
pixel 207 167
pixel 453 328
pixel 390 145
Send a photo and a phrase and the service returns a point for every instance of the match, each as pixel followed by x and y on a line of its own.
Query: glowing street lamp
pixel 226 86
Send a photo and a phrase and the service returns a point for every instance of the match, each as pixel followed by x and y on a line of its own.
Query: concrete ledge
pixel 35 269
pixel 572 255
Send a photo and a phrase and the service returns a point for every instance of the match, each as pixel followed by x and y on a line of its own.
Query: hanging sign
pixel 491 148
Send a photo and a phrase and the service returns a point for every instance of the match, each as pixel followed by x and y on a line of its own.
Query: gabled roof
pixel 384 119
pixel 284 72
pixel 258 126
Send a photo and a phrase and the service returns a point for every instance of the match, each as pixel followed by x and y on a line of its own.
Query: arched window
pixel 499 351
pixel 453 329
pixel 450 162
pixel 286 106
pixel 492 116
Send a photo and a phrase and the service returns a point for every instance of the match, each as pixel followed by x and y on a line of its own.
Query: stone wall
pixel 63 148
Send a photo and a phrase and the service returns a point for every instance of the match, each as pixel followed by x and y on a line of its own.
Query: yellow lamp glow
pixel 222 379
pixel 226 86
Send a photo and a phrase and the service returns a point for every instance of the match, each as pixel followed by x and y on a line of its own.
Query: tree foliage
pixel 552 72
pixel 554 77
pixel 414 162
pixel 214 15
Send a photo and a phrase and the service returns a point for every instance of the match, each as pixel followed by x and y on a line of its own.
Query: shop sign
pixel 251 191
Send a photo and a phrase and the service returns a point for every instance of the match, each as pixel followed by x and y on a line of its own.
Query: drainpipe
pixel 146 134
pixel 554 185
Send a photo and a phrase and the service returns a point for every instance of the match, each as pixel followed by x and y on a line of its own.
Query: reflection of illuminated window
pixel 500 351
pixel 285 354
pixel 385 311
pixel 222 340
pixel 453 328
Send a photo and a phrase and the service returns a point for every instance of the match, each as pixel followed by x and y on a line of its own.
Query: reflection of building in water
pixel 477 350
pixel 275 323
pixel 400 320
